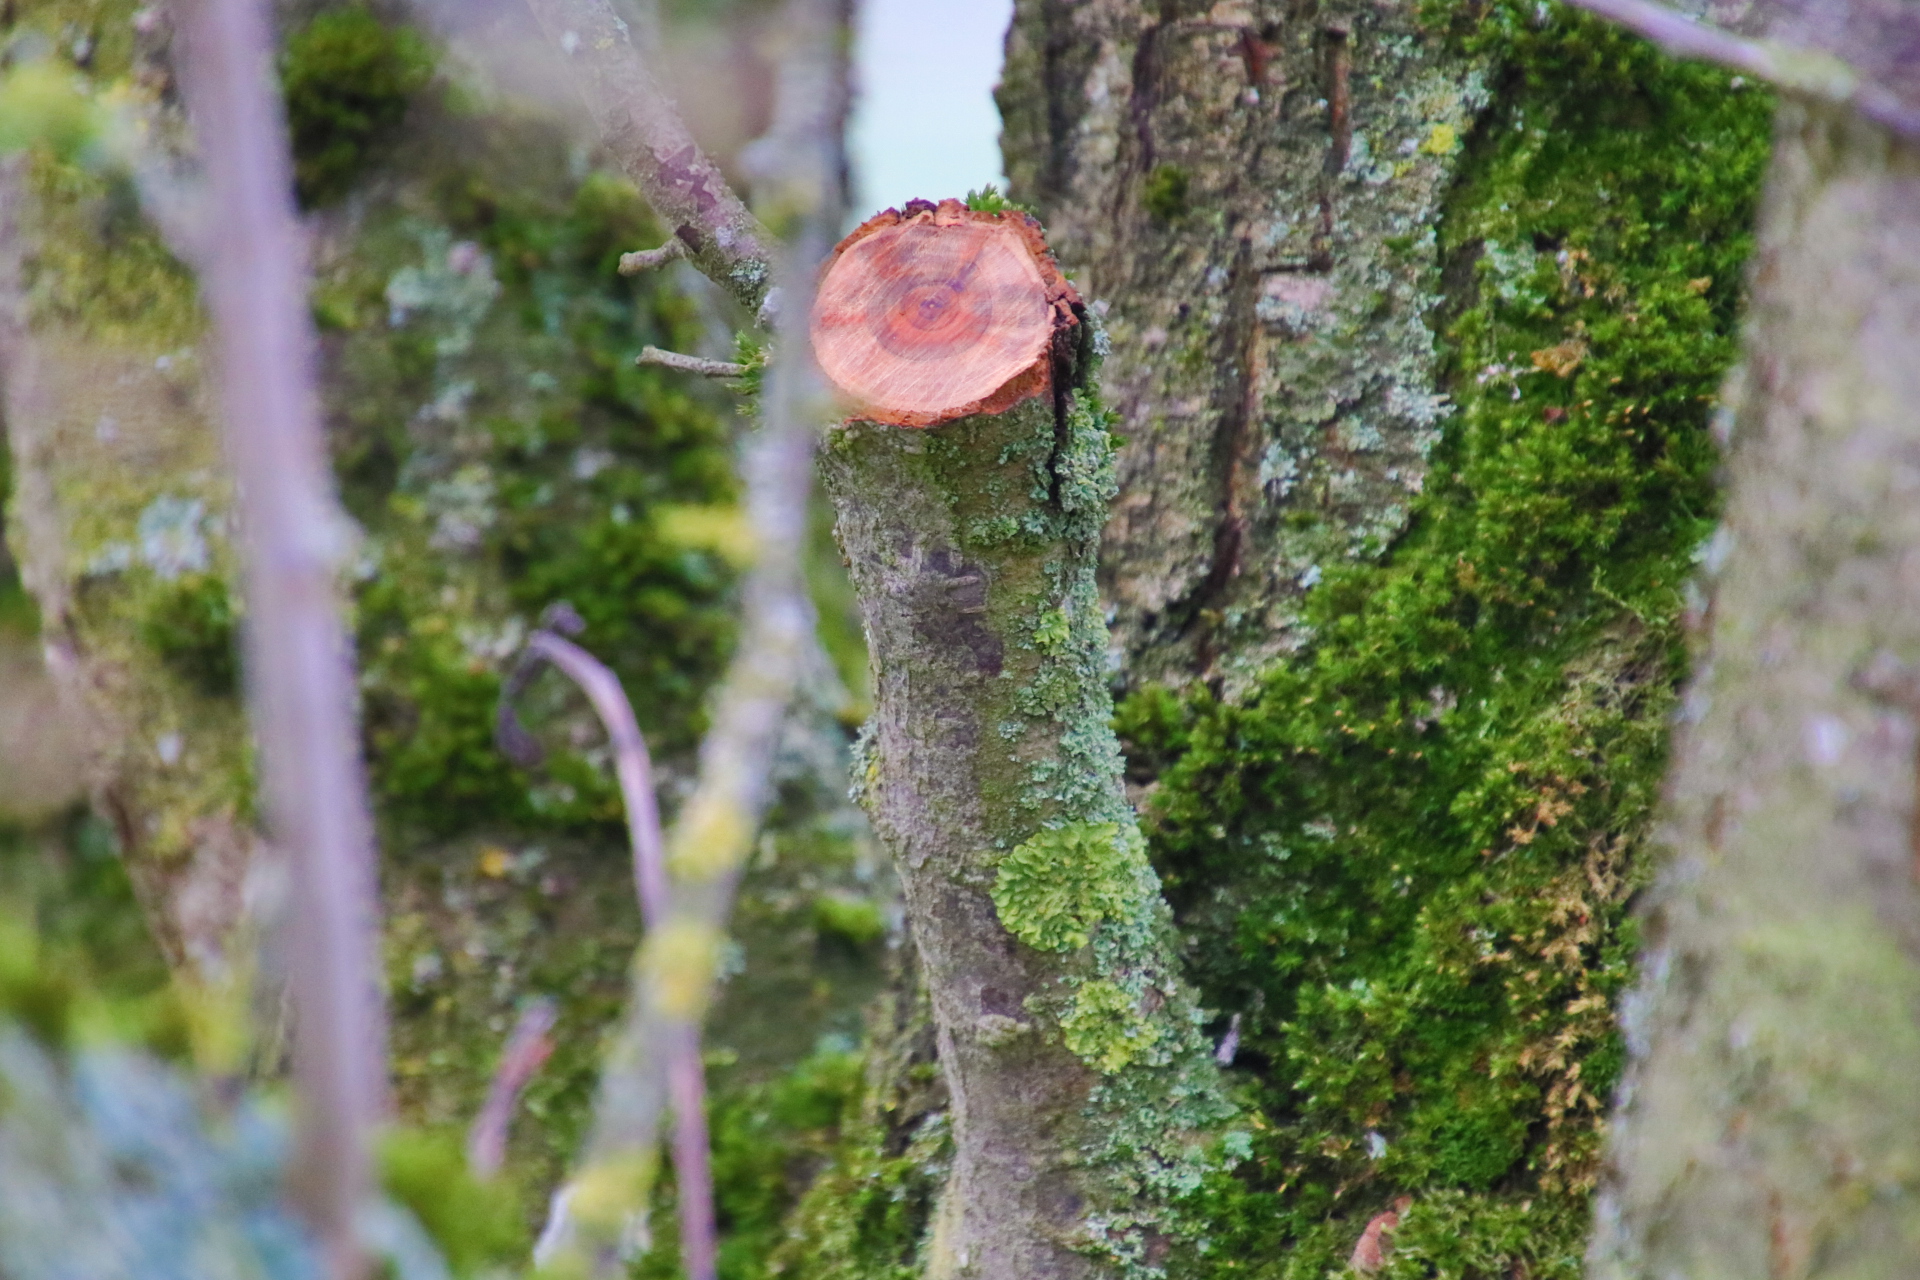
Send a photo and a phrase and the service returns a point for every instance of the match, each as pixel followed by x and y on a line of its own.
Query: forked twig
pixel 649 140
pixel 633 767
pixel 300 687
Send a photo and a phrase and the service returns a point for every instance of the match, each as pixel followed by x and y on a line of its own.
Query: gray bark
pixel 1253 188
pixel 1770 1122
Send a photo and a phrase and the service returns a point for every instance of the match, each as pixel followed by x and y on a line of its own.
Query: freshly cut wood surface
pixel 939 312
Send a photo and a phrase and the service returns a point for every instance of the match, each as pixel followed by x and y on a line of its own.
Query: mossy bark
pixel 1770 1120
pixel 1082 1093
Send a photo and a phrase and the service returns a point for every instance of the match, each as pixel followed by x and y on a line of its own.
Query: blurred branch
pixel 299 670
pixel 528 1047
pixel 1813 72
pixel 699 365
pixel 634 768
pixel 643 130
pixel 597 1214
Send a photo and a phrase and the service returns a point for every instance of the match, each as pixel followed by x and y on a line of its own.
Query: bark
pixel 1770 1124
pixel 1253 188
pixel 1081 1091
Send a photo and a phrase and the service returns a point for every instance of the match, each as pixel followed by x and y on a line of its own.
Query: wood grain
pixel 940 312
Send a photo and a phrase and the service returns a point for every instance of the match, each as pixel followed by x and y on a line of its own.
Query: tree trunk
pixel 1771 1124
pixel 1081 1090
pixel 1253 187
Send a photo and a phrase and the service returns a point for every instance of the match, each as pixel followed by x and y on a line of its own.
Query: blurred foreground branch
pixel 298 657
pixel 598 1214
pixel 699 1244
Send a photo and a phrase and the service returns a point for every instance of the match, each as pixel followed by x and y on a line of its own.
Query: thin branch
pixel 528 1048
pixel 641 127
pixel 692 1161
pixel 596 1215
pixel 690 364
pixel 632 264
pixel 299 670
pixel 1813 72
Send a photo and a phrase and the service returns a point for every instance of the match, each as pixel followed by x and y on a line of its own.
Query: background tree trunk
pixel 1254 189
pixel 1771 1123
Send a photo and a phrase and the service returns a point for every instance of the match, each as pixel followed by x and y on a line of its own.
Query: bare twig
pixel 699 1244
pixel 528 1048
pixel 700 365
pixel 299 660
pixel 632 264
pixel 597 1213
pixel 1815 73
pixel 640 127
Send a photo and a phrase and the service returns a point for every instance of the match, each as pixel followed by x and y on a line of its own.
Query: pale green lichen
pixel 1054 890
pixel 1105 1028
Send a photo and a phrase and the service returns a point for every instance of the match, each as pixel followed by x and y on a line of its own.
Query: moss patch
pixel 1404 860
pixel 347 79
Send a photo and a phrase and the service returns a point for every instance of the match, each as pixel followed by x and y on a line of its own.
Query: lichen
pixel 1103 1025
pixel 1053 890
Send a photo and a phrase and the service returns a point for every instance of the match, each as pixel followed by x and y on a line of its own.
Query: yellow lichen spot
pixel 710 839
pixel 680 958
pixel 1562 358
pixel 720 529
pixel 603 1200
pixel 1441 140
pixel 494 861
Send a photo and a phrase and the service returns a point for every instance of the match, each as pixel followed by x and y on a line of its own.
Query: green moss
pixel 1404 859
pixel 1165 193
pixel 1053 890
pixel 477 1225
pixel 189 624
pixel 348 79
pixel 504 453
pixel 76 962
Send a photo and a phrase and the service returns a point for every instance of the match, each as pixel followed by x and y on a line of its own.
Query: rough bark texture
pixel 1254 188
pixel 1081 1091
pixel 1771 1122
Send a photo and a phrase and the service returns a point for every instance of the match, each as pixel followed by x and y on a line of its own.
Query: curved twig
pixel 692 1160
pixel 527 1050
